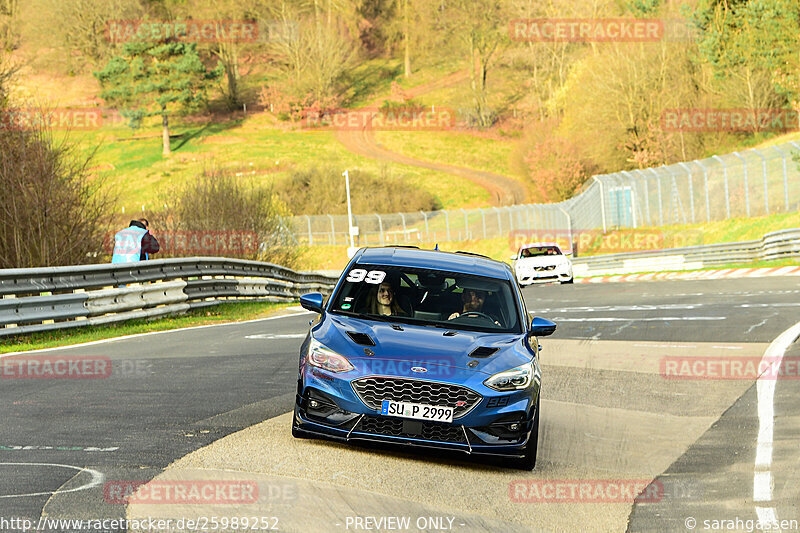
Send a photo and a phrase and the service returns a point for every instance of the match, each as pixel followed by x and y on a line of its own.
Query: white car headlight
pixel 515 379
pixel 323 357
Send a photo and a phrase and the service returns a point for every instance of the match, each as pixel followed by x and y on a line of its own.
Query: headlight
pixel 515 379
pixel 323 357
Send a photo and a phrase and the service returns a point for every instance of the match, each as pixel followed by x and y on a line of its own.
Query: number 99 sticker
pixel 357 275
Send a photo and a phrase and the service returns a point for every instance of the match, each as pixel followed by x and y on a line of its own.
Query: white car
pixel 542 262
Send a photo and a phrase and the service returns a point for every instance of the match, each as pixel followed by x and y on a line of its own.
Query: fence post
pixel 569 229
pixel 727 195
pixel 646 195
pixel 660 204
pixel 785 177
pixel 310 237
pixel 691 188
pixel 483 217
pixel 633 195
pixel 427 232
pixel 510 220
pixel 705 184
pixel 746 187
pixel 405 234
pixel 764 169
pixel 466 225
pixel 602 203
pixel 380 229
pixel 447 224
pixel 499 222
pixel 332 240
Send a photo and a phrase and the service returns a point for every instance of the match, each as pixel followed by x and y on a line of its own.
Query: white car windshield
pixel 540 251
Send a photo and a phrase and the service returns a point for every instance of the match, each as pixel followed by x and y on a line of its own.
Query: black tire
pixel 570 280
pixel 528 460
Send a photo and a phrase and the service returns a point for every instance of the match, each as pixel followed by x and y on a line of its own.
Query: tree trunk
pixel 407 52
pixel 166 151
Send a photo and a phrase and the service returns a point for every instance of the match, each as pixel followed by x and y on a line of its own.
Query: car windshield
pixel 539 251
pixel 428 297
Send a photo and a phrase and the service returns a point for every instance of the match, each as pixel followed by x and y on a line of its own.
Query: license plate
pixel 417 411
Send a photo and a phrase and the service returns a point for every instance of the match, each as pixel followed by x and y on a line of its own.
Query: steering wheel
pixel 478 314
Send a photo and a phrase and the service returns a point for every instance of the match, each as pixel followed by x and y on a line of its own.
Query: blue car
pixel 423 348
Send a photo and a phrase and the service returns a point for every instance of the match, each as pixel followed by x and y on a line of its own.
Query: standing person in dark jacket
pixel 134 243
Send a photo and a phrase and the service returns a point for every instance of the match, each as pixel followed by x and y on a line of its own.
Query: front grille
pixel 543 268
pixel 394 427
pixel 373 390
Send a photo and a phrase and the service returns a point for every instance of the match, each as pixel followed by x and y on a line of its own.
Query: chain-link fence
pixel 742 184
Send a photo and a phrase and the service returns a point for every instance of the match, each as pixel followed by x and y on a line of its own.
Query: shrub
pixel 321 191
pixel 52 210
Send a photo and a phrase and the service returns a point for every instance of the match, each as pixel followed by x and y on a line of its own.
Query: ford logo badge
pixel 418 369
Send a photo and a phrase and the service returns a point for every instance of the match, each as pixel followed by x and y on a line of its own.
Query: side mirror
pixel 513 257
pixel 312 301
pixel 541 327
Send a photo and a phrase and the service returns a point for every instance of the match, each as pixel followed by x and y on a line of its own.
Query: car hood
pixel 398 351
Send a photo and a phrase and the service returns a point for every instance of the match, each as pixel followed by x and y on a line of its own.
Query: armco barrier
pixel 775 245
pixel 43 299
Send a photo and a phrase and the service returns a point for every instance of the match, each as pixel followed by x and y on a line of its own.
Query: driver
pixel 472 300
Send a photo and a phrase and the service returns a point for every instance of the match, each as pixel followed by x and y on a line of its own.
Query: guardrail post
pixel 691 188
pixel 602 203
pixel 764 170
pixel 705 184
pixel 746 187
pixel 727 195
pixel 447 224
pixel 427 233
pixel 380 229
pixel 785 177
pixel 333 231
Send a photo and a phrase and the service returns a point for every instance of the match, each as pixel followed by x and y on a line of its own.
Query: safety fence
pixel 43 299
pixel 782 244
pixel 741 184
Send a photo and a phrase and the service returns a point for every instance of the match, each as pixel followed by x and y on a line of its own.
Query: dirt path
pixel 503 190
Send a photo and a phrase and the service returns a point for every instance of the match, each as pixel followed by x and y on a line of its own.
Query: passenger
pixel 382 301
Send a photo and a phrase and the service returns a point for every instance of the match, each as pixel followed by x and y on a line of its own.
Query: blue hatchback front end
pixel 421 375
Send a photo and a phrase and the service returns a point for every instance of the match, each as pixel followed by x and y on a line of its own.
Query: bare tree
pixel 52 210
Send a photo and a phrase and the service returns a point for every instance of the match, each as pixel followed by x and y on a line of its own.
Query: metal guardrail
pixel 44 299
pixel 775 245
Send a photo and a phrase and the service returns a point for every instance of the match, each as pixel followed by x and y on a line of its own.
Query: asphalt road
pixel 212 400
